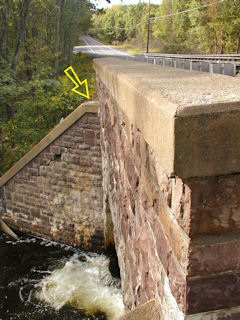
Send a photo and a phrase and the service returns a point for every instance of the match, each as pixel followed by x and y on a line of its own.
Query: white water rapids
pixel 86 285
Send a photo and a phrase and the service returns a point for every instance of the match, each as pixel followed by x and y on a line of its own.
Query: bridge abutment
pixel 169 165
pixel 170 147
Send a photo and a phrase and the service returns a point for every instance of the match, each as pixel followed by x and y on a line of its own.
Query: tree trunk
pixel 222 43
pixel 215 45
pixel 59 20
pixel 238 45
pixel 22 32
pixel 69 51
pixel 4 37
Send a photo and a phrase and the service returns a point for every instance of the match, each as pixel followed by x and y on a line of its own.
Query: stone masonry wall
pixel 177 240
pixel 58 195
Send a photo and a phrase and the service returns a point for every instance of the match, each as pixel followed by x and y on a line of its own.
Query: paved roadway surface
pixel 221 64
pixel 96 48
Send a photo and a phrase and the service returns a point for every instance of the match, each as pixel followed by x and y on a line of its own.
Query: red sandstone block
pixel 32 189
pixel 85 162
pixel 137 151
pixel 150 187
pixel 132 175
pixel 49 156
pixel 55 150
pixel 29 201
pixel 83 146
pixel 95 128
pixel 35 212
pixel 58 141
pixel 177 281
pixel 42 172
pixel 97 171
pixel 152 165
pixel 68 144
pixel 78 140
pixel 181 204
pixel 176 237
pixel 33 171
pixel 213 292
pixel 71 179
pixel 45 161
pixel 67 137
pixel 84 125
pixel 80 153
pixel 89 137
pixel 93 119
pixel 67 157
pixel 143 196
pixel 25 226
pixel 204 257
pixel 18 209
pixel 83 119
pixel 70 131
pixel 63 149
pixel 58 170
pixel 79 132
pixel 215 203
pixel 8 195
pixel 35 163
pixel 17 197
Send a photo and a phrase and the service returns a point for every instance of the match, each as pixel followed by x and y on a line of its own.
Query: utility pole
pixel 148 28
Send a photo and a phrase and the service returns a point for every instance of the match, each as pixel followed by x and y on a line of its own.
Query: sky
pixel 105 4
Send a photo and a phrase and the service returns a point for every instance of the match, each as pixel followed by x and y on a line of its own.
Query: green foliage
pixel 211 29
pixel 108 23
pixel 41 104
pixel 32 101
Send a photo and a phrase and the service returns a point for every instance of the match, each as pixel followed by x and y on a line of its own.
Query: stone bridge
pixel 157 173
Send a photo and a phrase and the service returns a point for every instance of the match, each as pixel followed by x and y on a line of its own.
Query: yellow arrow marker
pixel 77 82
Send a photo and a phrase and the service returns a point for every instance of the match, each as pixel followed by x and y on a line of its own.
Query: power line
pixel 118 28
pixel 161 17
pixel 189 10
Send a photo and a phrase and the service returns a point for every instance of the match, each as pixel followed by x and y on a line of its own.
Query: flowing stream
pixel 44 280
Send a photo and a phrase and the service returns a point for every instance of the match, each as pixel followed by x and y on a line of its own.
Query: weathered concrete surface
pixel 55 191
pixel 173 197
pixel 169 106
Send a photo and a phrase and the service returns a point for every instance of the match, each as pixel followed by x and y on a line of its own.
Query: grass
pixel 131 49
pixel 128 48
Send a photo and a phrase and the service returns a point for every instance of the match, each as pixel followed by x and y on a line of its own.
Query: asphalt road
pixel 95 48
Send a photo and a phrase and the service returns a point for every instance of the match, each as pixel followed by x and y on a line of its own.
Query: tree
pixel 6 10
pixel 58 34
pixel 32 102
pixel 21 30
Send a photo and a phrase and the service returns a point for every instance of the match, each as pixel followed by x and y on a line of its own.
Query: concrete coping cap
pixel 190 119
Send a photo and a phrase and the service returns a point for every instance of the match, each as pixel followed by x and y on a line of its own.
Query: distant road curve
pixel 95 48
pixel 222 64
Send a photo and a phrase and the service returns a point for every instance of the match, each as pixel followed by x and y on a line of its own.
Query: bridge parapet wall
pixel 171 170
pixel 55 191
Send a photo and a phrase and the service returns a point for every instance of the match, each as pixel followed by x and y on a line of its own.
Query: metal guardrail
pixel 221 64
pixel 219 57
